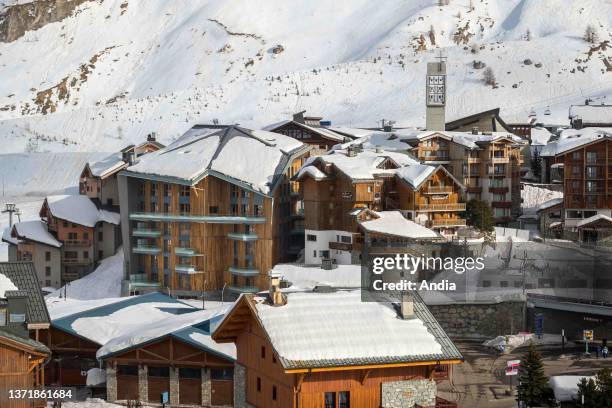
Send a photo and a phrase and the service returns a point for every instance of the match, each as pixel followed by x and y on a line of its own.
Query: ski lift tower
pixel 11 209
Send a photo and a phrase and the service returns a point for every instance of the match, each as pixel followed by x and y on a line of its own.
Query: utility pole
pixel 11 209
pixel 524 260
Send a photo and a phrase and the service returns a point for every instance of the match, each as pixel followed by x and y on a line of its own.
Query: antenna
pixel 441 59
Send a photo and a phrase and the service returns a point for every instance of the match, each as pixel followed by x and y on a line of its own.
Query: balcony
pixel 77 261
pixel 235 236
pixel 77 242
pixel 439 190
pixel 441 207
pixel 205 219
pixel 146 233
pixel 501 204
pixel 141 279
pixel 474 189
pixel 186 252
pixel 186 269
pixel 499 160
pixel 235 270
pixel 341 246
pixel 499 190
pixel 145 250
pixel 243 289
pixel 447 222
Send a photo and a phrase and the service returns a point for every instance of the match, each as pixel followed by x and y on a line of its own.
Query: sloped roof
pixel 595 218
pixel 321 131
pixel 107 166
pixel 591 114
pixel 26 342
pixel 255 158
pixel 79 209
pixel 35 231
pixel 24 278
pixel 550 203
pixel 570 139
pixel 318 330
pixel 394 223
pixel 104 323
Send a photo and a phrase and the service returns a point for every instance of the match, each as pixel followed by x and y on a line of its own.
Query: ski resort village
pixel 317 205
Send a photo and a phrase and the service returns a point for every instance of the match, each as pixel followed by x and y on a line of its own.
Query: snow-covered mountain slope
pixel 112 71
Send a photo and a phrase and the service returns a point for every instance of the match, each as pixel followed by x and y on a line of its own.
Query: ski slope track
pixel 110 72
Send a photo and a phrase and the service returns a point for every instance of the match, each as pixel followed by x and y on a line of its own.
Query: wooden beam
pixel 365 376
pixel 366 367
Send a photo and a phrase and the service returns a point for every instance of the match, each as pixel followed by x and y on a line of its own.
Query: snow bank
pixel 104 282
pixel 306 277
pixel 95 377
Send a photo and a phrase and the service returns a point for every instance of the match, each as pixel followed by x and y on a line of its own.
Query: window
pixel 213 209
pixel 258 384
pixel 195 373
pixel 344 399
pixel 314 253
pixel 159 372
pixel 85 235
pixel 274 393
pixel 346 239
pixel 127 370
pixel 70 255
pixel 100 254
pixel 47 271
pixel 330 400
pixel 576 155
pixel 486 283
pixel 85 254
pixel 503 284
pixel 311 237
pixel 47 256
pixel 324 254
pixel 369 189
pixel 47 283
pixel 263 352
pixel 226 373
pixel 65 224
pixel 100 235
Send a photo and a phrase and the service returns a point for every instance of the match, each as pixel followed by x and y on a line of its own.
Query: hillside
pixel 93 75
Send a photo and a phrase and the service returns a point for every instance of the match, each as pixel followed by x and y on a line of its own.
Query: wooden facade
pixel 193 256
pixel 21 368
pixel 190 375
pixel 269 385
pixel 320 140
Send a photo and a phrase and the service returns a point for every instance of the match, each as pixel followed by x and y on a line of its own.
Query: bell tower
pixel 435 93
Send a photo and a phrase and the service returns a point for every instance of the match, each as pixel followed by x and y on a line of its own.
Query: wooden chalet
pixel 309 131
pixel 98 180
pixel 23 321
pixel 215 208
pixel 337 186
pixel 310 350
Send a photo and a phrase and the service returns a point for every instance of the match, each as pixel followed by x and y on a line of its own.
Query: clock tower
pixel 435 94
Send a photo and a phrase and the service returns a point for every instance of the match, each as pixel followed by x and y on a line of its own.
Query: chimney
pixel 151 137
pixel 276 296
pixel 299 117
pixel 407 306
pixel 351 151
pixel 17 306
pixel 475 130
pixel 577 123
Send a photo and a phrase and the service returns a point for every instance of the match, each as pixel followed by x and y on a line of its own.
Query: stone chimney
pixel 407 306
pixel 276 296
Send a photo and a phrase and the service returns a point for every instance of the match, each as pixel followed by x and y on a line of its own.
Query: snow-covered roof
pixel 254 157
pixel 321 131
pixel 107 165
pixel 307 277
pixel 336 329
pixel 415 174
pixel 350 132
pixel 193 327
pixel 591 114
pixel 35 231
pixel 550 203
pixel 404 139
pixel 565 387
pixel 570 139
pixel 394 223
pixel 540 136
pixel 594 218
pixel 79 209
pixel 6 236
pixel 6 285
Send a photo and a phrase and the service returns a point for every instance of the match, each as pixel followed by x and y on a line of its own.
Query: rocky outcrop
pixel 15 20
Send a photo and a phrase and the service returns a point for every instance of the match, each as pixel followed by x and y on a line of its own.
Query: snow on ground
pixel 514 341
pixel 533 196
pixel 89 403
pixel 210 59
pixel 60 307
pixel 103 282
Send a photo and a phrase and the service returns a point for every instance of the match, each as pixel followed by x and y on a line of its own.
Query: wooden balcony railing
pixel 439 190
pixel 441 207
pixel 445 222
pixel 77 242
pixel 342 246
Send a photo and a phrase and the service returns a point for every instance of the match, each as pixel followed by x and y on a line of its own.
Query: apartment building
pixel 30 241
pixel 338 186
pixel 215 209
pixel 308 130
pixel 98 180
pixel 488 164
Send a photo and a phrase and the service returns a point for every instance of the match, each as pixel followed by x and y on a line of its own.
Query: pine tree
pixel 590 34
pixel 536 164
pixel 489 77
pixel 588 389
pixel 533 388
pixel 479 215
pixel 603 380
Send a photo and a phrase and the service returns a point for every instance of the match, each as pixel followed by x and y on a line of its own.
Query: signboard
pixel 511 371
pixel 436 90
pixel 587 335
pixel 347 195
pixel 514 363
pixel 539 325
